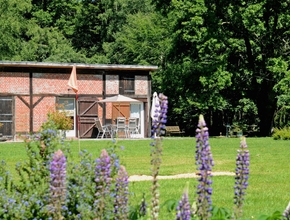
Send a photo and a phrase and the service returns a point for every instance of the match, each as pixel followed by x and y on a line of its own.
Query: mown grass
pixel 269 185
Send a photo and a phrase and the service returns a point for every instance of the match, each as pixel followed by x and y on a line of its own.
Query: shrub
pixel 281 134
pixel 57 119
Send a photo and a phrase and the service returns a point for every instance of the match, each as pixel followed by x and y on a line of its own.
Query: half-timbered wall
pixel 43 84
pixel 45 87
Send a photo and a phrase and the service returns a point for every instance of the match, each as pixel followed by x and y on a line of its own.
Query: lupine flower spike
pixel 58 183
pixel 204 162
pixel 242 176
pixel 183 209
pixel 158 126
pixel 121 196
pixel 160 117
pixel 103 183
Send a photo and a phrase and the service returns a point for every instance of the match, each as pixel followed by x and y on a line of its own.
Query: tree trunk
pixel 266 103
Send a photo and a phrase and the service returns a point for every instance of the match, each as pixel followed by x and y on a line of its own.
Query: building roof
pixel 28 64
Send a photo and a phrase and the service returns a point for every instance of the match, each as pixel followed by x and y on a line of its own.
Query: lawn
pixel 269 186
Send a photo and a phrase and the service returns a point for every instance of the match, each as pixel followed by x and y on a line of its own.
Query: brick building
pixel 29 89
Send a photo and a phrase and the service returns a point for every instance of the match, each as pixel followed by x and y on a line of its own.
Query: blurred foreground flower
pixel 204 162
pixel 103 183
pixel 158 127
pixel 121 196
pixel 183 209
pixel 58 183
pixel 242 176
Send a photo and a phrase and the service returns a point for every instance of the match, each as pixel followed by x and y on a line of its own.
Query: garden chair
pixel 102 130
pixel 121 126
pixel 133 127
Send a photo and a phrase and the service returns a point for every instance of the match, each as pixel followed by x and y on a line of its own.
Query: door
pixel 120 109
pixel 68 105
pixel 137 111
pixel 6 116
pixel 88 111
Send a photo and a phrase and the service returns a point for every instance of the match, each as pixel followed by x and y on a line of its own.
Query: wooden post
pixel 103 97
pixel 30 102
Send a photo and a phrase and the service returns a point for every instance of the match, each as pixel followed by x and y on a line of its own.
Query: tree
pixel 12 26
pixel 24 40
pixel 225 51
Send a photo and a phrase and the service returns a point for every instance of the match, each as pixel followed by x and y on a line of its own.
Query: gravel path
pixel 135 178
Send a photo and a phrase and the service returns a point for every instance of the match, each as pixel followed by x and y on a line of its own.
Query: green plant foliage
pixel 275 216
pixel 170 205
pixel 281 134
pixel 57 119
pixel 144 40
pixel 221 213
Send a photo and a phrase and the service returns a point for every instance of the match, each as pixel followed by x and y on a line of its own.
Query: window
pixel 127 84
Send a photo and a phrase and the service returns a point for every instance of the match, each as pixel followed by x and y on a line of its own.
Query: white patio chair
pixel 102 130
pixel 121 126
pixel 133 127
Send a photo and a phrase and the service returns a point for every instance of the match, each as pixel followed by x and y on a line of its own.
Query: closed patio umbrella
pixel 155 108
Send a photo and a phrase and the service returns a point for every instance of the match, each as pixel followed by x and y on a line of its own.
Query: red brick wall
pixel 39 113
pixel 141 85
pixel 41 109
pixel 57 83
pixel 14 83
pixel 112 84
pixel 21 115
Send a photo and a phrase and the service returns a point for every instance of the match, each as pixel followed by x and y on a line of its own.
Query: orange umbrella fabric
pixel 72 82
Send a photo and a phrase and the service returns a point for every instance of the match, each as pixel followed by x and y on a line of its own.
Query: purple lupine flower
pixel 103 182
pixel 241 177
pixel 183 209
pixel 160 118
pixel 286 212
pixel 158 127
pixel 121 196
pixel 58 182
pixel 204 162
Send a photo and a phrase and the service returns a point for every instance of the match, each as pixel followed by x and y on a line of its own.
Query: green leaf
pixel 170 205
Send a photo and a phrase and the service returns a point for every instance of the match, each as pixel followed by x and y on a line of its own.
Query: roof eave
pixel 78 65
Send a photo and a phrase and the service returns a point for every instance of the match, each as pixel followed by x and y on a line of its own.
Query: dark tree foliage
pixel 224 59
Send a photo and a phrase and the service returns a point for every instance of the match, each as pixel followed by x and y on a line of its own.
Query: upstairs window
pixel 127 84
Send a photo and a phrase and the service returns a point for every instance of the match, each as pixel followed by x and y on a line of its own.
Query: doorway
pixel 68 105
pixel 6 116
pixel 137 111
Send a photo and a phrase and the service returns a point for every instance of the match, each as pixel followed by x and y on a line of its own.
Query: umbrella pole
pixel 78 124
